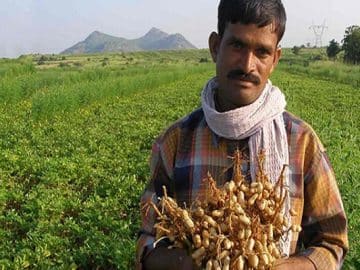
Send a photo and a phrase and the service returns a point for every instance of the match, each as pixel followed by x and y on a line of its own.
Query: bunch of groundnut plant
pixel 236 226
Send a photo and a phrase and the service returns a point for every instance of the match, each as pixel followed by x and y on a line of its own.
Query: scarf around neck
pixel 263 124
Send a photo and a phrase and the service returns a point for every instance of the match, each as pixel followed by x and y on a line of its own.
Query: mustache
pixel 240 74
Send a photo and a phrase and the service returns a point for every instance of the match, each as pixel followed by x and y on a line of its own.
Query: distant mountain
pixel 153 40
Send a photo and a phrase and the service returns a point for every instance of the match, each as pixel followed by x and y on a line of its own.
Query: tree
pixel 333 49
pixel 296 50
pixel 351 44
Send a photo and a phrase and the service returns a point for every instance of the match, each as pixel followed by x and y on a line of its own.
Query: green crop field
pixel 76 134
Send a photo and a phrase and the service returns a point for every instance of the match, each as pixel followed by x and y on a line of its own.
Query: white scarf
pixel 262 122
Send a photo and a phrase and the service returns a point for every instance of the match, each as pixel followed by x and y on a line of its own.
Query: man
pixel 241 109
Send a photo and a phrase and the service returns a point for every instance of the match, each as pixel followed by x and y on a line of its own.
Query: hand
pixel 163 258
pixel 294 262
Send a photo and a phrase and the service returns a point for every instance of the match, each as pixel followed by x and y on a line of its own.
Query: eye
pixel 263 52
pixel 237 44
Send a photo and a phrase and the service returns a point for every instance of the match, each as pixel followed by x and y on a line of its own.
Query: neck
pixel 221 105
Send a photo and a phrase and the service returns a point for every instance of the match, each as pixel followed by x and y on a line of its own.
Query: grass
pixel 75 143
pixel 314 64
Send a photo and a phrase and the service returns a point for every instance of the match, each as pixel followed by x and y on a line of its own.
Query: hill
pixel 153 40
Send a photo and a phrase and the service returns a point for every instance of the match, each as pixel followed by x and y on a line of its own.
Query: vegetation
pixel 296 50
pixel 75 142
pixel 333 49
pixel 313 63
pixel 351 45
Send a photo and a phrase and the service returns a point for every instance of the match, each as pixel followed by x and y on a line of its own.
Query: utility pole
pixel 318 31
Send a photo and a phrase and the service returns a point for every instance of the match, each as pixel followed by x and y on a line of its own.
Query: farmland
pixel 76 134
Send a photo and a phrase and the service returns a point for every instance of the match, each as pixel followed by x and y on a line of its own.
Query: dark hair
pixel 259 12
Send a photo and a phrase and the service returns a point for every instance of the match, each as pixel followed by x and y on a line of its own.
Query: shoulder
pixel 183 126
pixel 296 124
pixel 187 123
pixel 306 151
pixel 298 128
pixel 178 137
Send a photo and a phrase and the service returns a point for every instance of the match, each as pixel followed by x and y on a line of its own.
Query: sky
pixel 51 26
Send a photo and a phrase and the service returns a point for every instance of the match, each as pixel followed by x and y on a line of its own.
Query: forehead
pixel 252 34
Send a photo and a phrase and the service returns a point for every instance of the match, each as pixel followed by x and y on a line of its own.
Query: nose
pixel 247 61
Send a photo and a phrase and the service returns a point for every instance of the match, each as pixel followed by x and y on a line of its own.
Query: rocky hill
pixel 155 39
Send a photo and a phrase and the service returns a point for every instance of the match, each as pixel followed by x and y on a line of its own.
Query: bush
pixel 64 64
pixel 317 57
pixel 105 61
pixel 296 50
pixel 333 49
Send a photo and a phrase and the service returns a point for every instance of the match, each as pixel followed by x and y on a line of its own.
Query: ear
pixel 277 56
pixel 214 44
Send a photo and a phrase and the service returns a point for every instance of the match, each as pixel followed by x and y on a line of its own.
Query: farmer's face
pixel 245 56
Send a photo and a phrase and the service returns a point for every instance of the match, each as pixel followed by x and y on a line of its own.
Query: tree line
pixel 350 45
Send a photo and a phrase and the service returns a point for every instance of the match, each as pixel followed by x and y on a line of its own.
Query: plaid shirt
pixel 188 150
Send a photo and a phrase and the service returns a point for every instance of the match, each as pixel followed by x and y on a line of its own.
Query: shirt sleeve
pixel 158 178
pixel 324 221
